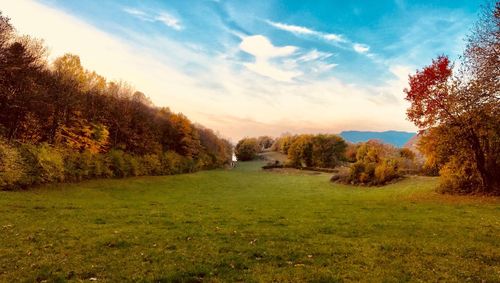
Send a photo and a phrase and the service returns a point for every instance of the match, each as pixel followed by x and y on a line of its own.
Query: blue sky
pixel 258 67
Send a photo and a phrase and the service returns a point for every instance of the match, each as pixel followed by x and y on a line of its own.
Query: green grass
pixel 246 225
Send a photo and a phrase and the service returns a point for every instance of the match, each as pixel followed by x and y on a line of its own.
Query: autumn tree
pixel 300 152
pixel 22 64
pixel 461 111
pixel 283 143
pixel 324 151
pixel 376 164
pixel 328 150
pixel 246 149
pixel 265 142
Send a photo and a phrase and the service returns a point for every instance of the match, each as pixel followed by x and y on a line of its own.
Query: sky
pixel 251 68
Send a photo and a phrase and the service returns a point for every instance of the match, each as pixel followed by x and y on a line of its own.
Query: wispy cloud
pixel 333 37
pixel 338 39
pixel 163 17
pixel 306 31
pixel 361 48
pixel 136 13
pixel 314 55
pixel 169 20
pixel 292 28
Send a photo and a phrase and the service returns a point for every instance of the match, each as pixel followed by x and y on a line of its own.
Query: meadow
pixel 246 224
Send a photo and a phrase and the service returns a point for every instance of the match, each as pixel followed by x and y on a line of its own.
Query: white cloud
pixel 334 37
pixel 292 28
pixel 361 48
pixel 263 50
pixel 260 46
pixel 162 17
pixel 306 31
pixel 169 20
pixel 136 12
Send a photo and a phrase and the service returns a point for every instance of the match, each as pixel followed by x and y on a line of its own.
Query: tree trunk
pixel 480 162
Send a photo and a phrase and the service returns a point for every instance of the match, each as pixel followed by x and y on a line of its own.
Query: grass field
pixel 246 225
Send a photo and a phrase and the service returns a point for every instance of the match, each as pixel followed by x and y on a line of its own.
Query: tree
pixel 265 142
pixel 283 143
pixel 376 164
pixel 328 150
pixel 465 108
pixel 300 152
pixel 247 149
pixel 22 64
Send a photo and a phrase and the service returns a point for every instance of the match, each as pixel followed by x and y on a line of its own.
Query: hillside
pixel 396 138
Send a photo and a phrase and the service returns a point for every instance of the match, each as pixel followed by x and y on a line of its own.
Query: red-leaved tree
pixel 460 112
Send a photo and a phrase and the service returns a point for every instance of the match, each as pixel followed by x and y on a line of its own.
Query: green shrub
pixel 171 163
pixel 133 165
pixel 12 167
pixel 39 164
pixel 174 163
pixel 44 164
pixel 151 164
pixel 102 166
pixel 119 165
pixel 78 166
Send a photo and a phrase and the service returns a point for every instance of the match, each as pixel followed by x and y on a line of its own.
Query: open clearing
pixel 246 225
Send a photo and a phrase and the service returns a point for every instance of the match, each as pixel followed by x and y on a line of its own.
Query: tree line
pixel 365 163
pixel 321 150
pixel 57 117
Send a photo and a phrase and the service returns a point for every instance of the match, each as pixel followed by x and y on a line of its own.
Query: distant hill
pixel 412 143
pixel 395 138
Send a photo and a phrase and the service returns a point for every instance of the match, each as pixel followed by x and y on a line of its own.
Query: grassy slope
pixel 248 225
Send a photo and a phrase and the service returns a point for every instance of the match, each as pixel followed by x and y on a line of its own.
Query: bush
pixel 350 152
pixel 376 164
pixel 78 166
pixel 44 164
pixel 386 171
pixel 459 177
pixel 26 165
pixel 247 149
pixel 151 164
pixel 86 165
pixel 119 165
pixel 133 165
pixel 12 168
pixel 174 163
pixel 101 166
